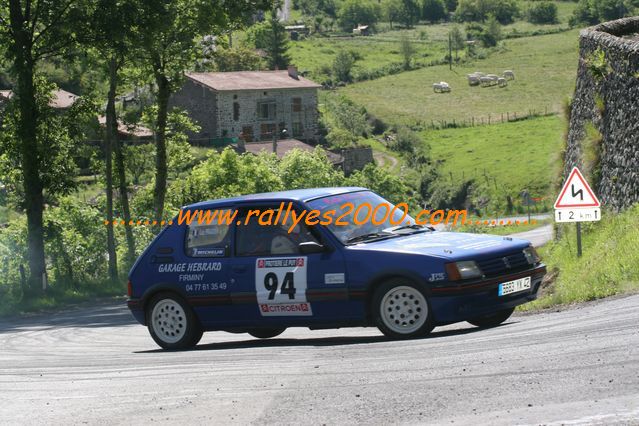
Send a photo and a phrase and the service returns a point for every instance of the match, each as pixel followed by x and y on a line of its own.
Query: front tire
pixel 492 320
pixel 266 333
pixel 401 310
pixel 172 323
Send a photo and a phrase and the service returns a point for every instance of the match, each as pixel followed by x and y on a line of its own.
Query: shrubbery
pixel 505 11
pixel 543 12
pixel 590 12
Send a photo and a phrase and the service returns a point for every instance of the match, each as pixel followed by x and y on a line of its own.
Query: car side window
pixel 255 239
pixel 207 240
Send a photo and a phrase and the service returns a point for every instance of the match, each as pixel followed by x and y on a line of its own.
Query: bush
pixel 544 12
pixel 505 11
pixel 354 12
pixel 342 66
pixel 433 10
pixel 383 182
pixel 590 12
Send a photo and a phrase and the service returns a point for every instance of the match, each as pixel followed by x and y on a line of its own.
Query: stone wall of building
pixel 356 158
pixel 299 124
pixel 607 99
pixel 201 104
pixel 215 112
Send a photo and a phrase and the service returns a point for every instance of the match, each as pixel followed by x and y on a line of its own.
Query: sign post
pixel 577 203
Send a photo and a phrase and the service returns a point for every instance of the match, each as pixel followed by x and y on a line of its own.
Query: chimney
pixel 292 72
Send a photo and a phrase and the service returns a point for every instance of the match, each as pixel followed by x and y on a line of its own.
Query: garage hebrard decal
pixel 280 284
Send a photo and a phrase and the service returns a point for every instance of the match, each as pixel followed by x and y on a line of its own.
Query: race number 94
pixel 288 285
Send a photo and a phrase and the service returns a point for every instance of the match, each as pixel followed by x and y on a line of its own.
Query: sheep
pixel 502 82
pixel 487 81
pixel 473 79
pixel 509 74
pixel 441 87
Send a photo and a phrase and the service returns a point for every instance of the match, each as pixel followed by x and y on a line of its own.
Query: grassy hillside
pixel 316 55
pixel 608 266
pixel 503 158
pixel 545 67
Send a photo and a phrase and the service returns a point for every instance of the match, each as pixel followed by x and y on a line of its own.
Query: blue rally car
pixel 252 275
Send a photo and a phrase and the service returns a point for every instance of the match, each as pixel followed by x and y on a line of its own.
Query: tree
pixel 276 43
pixel 355 12
pixel 608 10
pixel 543 12
pixel 457 39
pixel 584 13
pixel 409 13
pixel 433 10
pixel 113 37
pixel 342 66
pixel 492 33
pixel 505 11
pixel 391 11
pixel 342 113
pixel 451 5
pixel 237 58
pixel 407 51
pixel 169 45
pixel 32 30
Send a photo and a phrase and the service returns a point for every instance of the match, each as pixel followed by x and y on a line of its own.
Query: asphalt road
pixel 93 365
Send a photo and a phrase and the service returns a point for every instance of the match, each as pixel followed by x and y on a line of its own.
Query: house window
pixel 297 129
pixel 296 105
pixel 266 131
pixel 266 110
pixel 236 111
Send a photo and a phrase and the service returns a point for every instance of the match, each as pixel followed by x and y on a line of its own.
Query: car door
pixel 282 284
pixel 205 272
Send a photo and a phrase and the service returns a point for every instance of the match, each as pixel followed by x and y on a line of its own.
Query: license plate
pixel 514 286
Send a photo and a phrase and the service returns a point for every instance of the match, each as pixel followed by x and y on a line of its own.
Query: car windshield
pixel 362 216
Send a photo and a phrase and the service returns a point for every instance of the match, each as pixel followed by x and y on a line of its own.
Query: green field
pixel 316 54
pixel 502 159
pixel 545 67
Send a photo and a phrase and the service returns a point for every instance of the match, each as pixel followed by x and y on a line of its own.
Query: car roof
pixel 292 195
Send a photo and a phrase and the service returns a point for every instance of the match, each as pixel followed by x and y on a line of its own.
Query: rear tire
pixel 266 333
pixel 172 323
pixel 492 320
pixel 401 310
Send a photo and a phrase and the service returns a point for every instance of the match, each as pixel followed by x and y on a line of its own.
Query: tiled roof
pixel 137 131
pixel 61 98
pixel 251 80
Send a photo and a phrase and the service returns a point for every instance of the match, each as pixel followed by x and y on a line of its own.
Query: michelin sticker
pixel 280 284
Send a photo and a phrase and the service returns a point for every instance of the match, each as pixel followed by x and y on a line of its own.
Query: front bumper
pixel 452 302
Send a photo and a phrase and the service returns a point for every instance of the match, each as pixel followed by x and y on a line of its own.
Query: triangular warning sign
pixel 576 192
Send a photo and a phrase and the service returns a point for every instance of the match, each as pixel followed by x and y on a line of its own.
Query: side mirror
pixel 310 247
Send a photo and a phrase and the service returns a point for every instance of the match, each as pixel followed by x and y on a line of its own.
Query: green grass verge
pixel 502 159
pixel 58 297
pixel 609 264
pixel 545 68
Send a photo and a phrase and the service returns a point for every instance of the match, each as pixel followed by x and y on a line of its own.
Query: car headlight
pixel 531 255
pixel 462 270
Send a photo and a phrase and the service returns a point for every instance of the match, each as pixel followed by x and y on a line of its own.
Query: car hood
pixel 449 245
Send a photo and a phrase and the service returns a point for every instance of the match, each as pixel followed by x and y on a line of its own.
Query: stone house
pixel 253 105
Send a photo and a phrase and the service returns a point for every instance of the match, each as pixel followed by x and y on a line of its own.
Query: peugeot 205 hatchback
pixel 248 275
